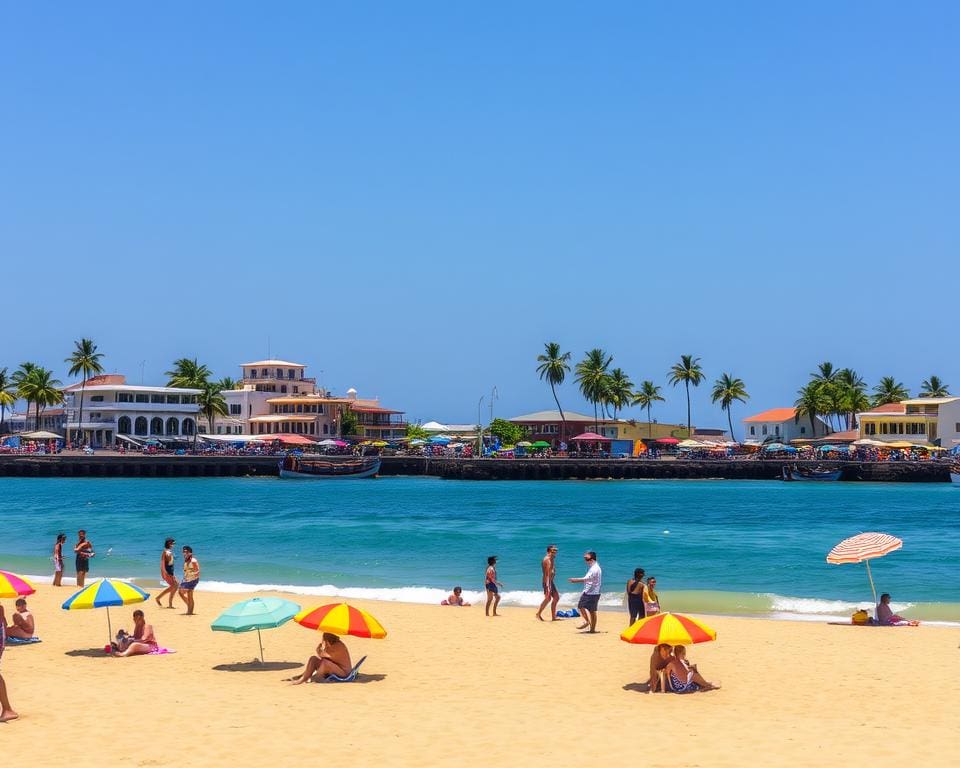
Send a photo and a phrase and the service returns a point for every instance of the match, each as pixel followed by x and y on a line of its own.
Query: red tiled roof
pixel 889 408
pixel 775 414
pixel 369 409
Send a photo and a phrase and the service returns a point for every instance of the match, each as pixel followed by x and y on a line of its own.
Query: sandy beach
pixel 450 687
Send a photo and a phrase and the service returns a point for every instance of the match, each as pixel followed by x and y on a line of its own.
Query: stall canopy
pixel 591 437
pixel 41 435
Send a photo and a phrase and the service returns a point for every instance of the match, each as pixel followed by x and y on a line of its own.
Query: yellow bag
pixel 860 617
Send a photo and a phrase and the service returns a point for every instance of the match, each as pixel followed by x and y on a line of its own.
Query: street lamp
pixel 480 428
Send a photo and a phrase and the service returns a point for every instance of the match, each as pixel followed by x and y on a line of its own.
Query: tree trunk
pixel 563 420
pixel 595 417
pixel 83 386
pixel 649 423
pixel 730 423
pixel 688 408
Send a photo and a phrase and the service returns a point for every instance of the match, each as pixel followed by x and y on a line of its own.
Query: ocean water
pixel 742 548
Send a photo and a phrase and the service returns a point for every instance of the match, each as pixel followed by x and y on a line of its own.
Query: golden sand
pixel 450 687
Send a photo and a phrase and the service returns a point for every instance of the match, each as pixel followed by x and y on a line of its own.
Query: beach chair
pixel 348 679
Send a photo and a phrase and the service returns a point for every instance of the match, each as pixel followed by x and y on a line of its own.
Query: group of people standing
pixel 84 552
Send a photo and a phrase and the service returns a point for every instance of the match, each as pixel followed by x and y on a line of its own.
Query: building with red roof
pixel 783 425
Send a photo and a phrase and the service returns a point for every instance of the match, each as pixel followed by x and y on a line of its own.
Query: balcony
pixel 144 407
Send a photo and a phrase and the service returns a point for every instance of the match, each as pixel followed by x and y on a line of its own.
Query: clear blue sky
pixel 413 197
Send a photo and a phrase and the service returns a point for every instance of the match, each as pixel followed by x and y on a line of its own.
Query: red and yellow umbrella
pixel 341 619
pixel 12 585
pixel 669 628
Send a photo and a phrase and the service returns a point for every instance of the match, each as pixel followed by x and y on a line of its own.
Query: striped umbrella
pixel 12 585
pixel 341 619
pixel 669 628
pixel 103 594
pixel 862 548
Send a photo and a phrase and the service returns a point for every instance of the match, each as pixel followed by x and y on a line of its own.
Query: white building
pixel 921 420
pixel 114 410
pixel 782 425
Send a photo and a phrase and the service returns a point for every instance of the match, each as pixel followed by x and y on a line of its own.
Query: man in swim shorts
pixel 590 599
pixel 550 592
pixel 83 550
pixel 491 585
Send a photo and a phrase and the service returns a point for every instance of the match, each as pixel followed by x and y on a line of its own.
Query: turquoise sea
pixel 744 548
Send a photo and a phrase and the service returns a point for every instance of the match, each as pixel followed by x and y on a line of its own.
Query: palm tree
pixel 227 384
pixel 889 390
pixel 689 372
pixel 645 397
pixel 618 390
pixel 726 389
pixel 7 396
pixel 851 395
pixel 812 402
pixel 825 378
pixel 592 378
pixel 933 387
pixel 188 374
pixel 84 360
pixel 212 404
pixel 40 388
pixel 19 378
pixel 554 366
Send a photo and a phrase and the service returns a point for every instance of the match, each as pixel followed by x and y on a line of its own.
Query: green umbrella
pixel 541 444
pixel 255 614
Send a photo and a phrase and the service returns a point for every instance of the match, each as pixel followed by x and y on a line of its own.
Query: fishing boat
pixel 955 473
pixel 329 467
pixel 815 474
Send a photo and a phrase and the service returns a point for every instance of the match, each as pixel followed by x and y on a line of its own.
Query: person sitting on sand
pixel 332 658
pixel 23 625
pixel 886 616
pixel 683 676
pixel 6 711
pixel 141 642
pixel 456 598
pixel 660 658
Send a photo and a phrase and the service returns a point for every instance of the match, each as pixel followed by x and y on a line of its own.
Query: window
pixel 96 399
pixel 279 373
pixel 173 399
pixel 753 430
pixel 320 409
pixel 299 407
pixel 764 431
pixel 283 389
pixel 778 430
pixel 296 390
pixel 289 373
pixel 253 373
pixel 124 397
pixel 870 428
pixel 123 425
pixel 140 426
pixel 143 398
pixel 235 409
pixel 803 430
pixel 326 429
pixel 156 398
pixel 265 372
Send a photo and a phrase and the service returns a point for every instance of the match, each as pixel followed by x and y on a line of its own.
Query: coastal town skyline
pixel 414 218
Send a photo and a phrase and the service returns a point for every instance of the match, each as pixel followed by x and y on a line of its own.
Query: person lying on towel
pixel 140 643
pixel 887 617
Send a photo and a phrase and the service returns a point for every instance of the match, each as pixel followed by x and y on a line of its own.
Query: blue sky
pixel 413 197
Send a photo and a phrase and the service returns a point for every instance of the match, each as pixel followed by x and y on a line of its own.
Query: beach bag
pixel 860 617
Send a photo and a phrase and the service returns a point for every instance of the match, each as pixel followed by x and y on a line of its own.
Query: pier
pixel 113 465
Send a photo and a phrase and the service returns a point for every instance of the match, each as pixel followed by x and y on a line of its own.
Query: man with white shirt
pixel 590 599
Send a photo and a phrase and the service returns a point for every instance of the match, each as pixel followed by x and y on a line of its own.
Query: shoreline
pixel 686 601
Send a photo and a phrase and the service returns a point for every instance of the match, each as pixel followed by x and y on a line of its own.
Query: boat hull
pixel 816 476
pixel 955 477
pixel 329 470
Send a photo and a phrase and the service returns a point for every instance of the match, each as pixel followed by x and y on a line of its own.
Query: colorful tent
pixel 591 437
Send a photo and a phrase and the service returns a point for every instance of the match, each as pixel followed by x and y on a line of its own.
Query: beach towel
pixel 23 640
pixel 160 652
pixel 573 613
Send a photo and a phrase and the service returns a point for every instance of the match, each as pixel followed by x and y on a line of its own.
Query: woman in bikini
pixel 651 600
pixel 332 658
pixel 635 596
pixel 683 676
pixel 166 573
pixel 141 642
pixel 58 559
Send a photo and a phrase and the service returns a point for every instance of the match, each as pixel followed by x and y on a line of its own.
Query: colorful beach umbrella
pixel 669 628
pixel 255 614
pixel 12 585
pixel 104 594
pixel 863 548
pixel 341 619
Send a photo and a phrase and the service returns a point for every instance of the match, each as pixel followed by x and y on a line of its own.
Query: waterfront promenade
pixel 167 465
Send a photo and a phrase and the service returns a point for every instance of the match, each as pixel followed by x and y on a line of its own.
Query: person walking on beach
pixel 166 573
pixel 635 596
pixel 492 586
pixel 550 592
pixel 58 559
pixel 651 600
pixel 6 711
pixel 590 599
pixel 191 576
pixel 83 550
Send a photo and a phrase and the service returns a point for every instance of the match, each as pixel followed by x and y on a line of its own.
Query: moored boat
pixel 815 474
pixel 329 467
pixel 955 473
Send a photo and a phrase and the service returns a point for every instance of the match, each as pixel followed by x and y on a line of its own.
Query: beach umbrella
pixel 103 594
pixel 341 619
pixel 12 585
pixel 541 444
pixel 669 628
pixel 524 444
pixel 255 614
pixel 863 548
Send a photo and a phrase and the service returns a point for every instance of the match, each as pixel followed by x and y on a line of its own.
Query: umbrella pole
pixel 872 588
pixel 260 640
pixel 109 627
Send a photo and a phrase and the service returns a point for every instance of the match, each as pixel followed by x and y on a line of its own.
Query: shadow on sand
pixel 638 687
pixel 258 666
pixel 90 653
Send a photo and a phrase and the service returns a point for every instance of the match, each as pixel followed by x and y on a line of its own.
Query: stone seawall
pixel 113 465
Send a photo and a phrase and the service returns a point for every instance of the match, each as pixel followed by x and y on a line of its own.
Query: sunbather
pixel 332 658
pixel 141 642
pixel 456 598
pixel 23 625
pixel 683 676
pixel 886 616
pixel 659 659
